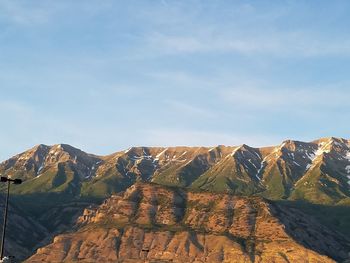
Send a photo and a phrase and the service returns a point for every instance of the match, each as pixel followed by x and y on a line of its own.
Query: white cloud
pixel 287 99
pixel 176 137
pixel 112 81
pixel 180 79
pixel 32 13
pixel 190 110
pixel 209 43
pixel 297 44
pixel 22 14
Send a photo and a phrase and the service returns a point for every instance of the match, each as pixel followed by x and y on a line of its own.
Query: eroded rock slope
pixel 155 223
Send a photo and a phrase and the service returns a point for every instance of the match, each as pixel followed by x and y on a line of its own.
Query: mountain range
pixel 318 172
pixel 60 182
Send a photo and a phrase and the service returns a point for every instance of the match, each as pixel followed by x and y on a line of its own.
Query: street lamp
pixel 4 179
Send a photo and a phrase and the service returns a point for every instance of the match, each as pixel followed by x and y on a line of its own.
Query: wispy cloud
pixel 298 99
pixel 177 137
pixel 33 13
pixel 23 14
pixel 297 44
pixel 181 79
pixel 208 43
pixel 246 30
pixel 190 110
pixel 98 75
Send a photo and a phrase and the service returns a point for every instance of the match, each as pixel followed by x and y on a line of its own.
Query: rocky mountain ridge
pixel 318 171
pixel 61 181
pixel 156 223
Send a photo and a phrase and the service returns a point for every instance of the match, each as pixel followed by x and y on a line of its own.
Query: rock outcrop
pixel 157 224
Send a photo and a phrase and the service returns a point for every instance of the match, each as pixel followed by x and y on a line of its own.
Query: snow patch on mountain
pixel 234 151
pixel 40 168
pixel 249 160
pixel 128 150
pixel 160 154
pixel 337 144
pixel 347 156
pixel 296 163
pixel 311 156
pixel 323 147
pixel 347 169
pixel 257 155
pixel 262 165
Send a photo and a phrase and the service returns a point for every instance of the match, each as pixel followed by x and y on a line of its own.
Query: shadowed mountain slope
pixel 60 181
pixel 23 233
pixel 159 223
pixel 318 172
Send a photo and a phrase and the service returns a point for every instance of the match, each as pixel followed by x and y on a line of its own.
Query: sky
pixel 107 75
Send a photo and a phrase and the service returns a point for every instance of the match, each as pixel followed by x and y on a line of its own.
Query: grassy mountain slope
pixel 156 223
pixel 318 171
pixel 60 181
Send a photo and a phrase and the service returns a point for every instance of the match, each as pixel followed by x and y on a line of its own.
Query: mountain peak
pixel 236 168
pixel 40 146
pixel 331 140
pixel 40 158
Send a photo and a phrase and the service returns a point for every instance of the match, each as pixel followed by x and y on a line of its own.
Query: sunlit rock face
pixel 60 181
pixel 316 172
pixel 151 222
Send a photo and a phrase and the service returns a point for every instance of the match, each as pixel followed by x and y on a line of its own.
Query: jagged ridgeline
pixel 317 172
pixel 60 181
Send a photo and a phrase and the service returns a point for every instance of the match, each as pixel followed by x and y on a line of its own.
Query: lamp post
pixel 7 180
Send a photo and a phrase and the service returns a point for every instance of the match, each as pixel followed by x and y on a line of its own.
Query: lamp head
pixel 3 179
pixel 17 181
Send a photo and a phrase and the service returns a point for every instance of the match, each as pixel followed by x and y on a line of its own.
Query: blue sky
pixel 107 75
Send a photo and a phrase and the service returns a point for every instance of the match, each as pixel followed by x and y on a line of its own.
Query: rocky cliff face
pixel 60 181
pixel 154 223
pixel 317 171
pixel 41 158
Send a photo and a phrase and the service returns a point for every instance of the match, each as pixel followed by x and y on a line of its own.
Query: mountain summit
pixel 156 194
pixel 317 171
